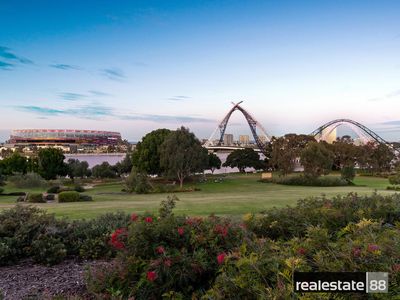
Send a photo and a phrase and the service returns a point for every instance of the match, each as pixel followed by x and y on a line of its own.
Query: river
pixel 113 158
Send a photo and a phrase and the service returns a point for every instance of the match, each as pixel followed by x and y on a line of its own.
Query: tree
pixel 244 158
pixel 286 150
pixel 316 159
pixel 76 168
pixel 51 163
pixel 124 166
pixel 104 170
pixel 182 155
pixel 381 158
pixel 213 162
pixel 15 163
pixel 146 157
pixel 345 152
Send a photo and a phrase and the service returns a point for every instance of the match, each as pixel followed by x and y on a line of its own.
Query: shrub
pixel 36 198
pixel 29 232
pixel 85 198
pixel 1 190
pixel 20 226
pixel 55 189
pixel 47 249
pixel 78 188
pixel 348 173
pixel 332 214
pixel 311 181
pixel 70 196
pixel 50 197
pixel 137 182
pixel 169 253
pixel 30 180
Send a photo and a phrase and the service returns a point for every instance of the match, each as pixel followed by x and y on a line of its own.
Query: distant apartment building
pixel 228 139
pixel 244 139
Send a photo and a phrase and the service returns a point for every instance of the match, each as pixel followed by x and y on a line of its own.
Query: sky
pixel 135 66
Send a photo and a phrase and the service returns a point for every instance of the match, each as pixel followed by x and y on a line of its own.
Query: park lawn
pixel 234 195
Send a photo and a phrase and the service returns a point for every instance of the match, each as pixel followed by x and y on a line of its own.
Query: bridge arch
pixel 253 124
pixel 362 131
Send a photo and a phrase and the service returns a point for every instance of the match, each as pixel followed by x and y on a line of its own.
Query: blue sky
pixel 134 66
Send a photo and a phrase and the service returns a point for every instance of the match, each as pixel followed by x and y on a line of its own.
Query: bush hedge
pixel 69 196
pixel 216 258
pixel 312 181
pixel 36 198
pixel 29 232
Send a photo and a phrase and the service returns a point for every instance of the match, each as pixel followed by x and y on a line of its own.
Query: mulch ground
pixel 31 281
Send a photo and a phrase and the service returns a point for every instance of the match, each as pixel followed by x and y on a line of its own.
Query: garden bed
pixel 29 280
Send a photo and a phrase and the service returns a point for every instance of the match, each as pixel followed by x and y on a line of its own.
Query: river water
pixel 113 158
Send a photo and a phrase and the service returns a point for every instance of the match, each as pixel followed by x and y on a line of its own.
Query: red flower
pixel 116 237
pixel 221 258
pixel 221 230
pixel 373 247
pixel 167 262
pixel 301 251
pixel 151 275
pixel 134 217
pixel 148 219
pixel 160 250
pixel 396 268
pixel 181 231
pixel 356 252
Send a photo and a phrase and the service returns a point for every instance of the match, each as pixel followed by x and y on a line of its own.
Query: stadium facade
pixel 64 137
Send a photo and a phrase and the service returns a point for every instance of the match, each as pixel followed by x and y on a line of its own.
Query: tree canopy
pixel 146 157
pixel 316 159
pixel 51 163
pixel 214 162
pixel 244 158
pixel 182 155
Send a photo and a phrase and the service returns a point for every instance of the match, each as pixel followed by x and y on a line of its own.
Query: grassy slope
pixel 235 195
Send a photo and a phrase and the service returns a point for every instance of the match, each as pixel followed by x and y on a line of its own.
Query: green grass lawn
pixel 237 194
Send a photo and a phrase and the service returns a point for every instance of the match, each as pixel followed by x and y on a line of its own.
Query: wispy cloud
pixel 100 112
pixel 165 118
pixel 179 98
pixel 390 95
pixel 72 96
pixel 113 74
pixel 65 67
pixel 5 66
pixel 10 60
pixel 98 93
pixel 85 112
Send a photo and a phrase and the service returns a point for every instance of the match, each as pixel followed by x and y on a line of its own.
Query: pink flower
pixel 181 231
pixel 356 252
pixel 134 217
pixel 221 258
pixel 151 275
pixel 301 251
pixel 148 219
pixel 160 250
pixel 373 247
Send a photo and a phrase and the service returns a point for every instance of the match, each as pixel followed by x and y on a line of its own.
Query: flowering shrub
pixel 172 253
pixel 332 214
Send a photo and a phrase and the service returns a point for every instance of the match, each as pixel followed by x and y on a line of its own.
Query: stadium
pixel 64 137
